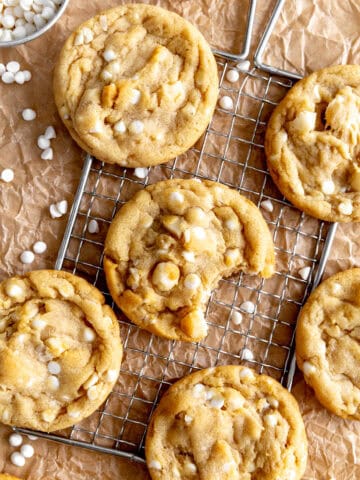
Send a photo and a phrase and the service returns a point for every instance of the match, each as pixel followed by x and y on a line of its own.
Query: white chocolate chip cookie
pixel 169 246
pixel 328 343
pixel 312 144
pixel 60 350
pixel 136 85
pixel 226 423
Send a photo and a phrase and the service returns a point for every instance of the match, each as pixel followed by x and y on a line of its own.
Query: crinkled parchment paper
pixel 309 35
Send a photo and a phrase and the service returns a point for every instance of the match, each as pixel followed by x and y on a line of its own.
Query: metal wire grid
pixel 231 151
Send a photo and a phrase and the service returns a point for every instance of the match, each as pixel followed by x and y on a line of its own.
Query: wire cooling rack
pixel 231 152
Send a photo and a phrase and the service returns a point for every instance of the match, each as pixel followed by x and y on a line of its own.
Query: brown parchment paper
pixel 310 35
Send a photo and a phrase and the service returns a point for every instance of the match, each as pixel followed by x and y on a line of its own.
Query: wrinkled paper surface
pixel 309 35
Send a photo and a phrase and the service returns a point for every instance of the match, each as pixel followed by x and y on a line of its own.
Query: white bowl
pixel 38 33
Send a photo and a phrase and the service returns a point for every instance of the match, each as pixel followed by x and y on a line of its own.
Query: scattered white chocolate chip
pixel 38 324
pixel 308 368
pixel 17 459
pixel 27 75
pixel 120 126
pixel 267 205
pixel 304 122
pixel 109 55
pixel 50 132
pixel 247 354
pixel 53 383
pixel 106 76
pixel 155 464
pixel 15 440
pixel 13 67
pixel 304 272
pixel 345 208
pixel 97 128
pixel 135 96
pixel 336 288
pixel 74 413
pixel 328 187
pixel 19 78
pixel 54 368
pixel 62 207
pixel 176 197
pixel 216 402
pixel 136 127
pixel 188 419
pixel 7 175
pixel 227 466
pixel 103 22
pixel 27 450
pixel 243 66
pixel 5 415
pixel 48 415
pixel 89 334
pixel 226 102
pixel 231 224
pixel 92 393
pixel 141 172
pixel 28 114
pixel 231 256
pixel 91 381
pixel 248 307
pixel 271 420
pixel 165 276
pixel 236 317
pixel 111 375
pixel 27 257
pixel 93 226
pixel 54 212
pixel 88 35
pixel 232 76
pixel 198 390
pixel 8 77
pixel 47 154
pixel 192 281
pixel 32 437
pixel 188 256
pixel 189 468
pixel 13 290
pixel 42 142
pixel 39 247
pixel 273 402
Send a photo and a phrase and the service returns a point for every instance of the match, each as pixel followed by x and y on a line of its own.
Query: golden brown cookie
pixel 226 423
pixel 328 343
pixel 60 350
pixel 5 476
pixel 312 144
pixel 169 246
pixel 136 85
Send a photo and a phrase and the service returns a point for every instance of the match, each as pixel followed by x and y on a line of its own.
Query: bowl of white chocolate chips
pixel 24 20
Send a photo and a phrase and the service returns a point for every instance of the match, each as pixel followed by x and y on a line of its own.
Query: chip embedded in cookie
pixel 169 246
pixel 226 423
pixel 328 343
pixel 60 350
pixel 136 85
pixel 312 144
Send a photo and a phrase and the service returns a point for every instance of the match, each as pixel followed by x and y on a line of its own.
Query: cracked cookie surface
pixel 136 85
pixel 328 343
pixel 226 422
pixel 169 246
pixel 60 350
pixel 312 144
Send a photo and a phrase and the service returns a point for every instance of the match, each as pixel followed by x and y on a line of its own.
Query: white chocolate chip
pixel 48 415
pixel 27 257
pixel 176 197
pixel 74 413
pixel 91 381
pixel 188 256
pixel 155 465
pixel 304 122
pixel 28 114
pixel 93 226
pixel 308 368
pixel 50 132
pixel 109 55
pixel 135 96
pixel 232 76
pixel 316 92
pixel 62 207
pixel 120 127
pixel 188 419
pixel 345 208
pixel 39 247
pixel 336 289
pixel 189 468
pixel 136 127
pixel 236 317
pixel 43 142
pixel 232 255
pixel 195 234
pixel 89 334
pixel 7 175
pixel 54 368
pixel 226 102
pixel 27 75
pixel 267 205
pixel 97 128
pixel 216 402
pixel 13 290
pixel 273 402
pixel 231 224
pixel 54 212
pixel 88 35
pixel 15 440
pixel 38 324
pixel 103 23
pixel 271 420
pixel 141 172
pixel 8 77
pixel 243 66
pixel 17 459
pixel 53 383
pixel 248 307
pixel 19 77
pixel 328 187
pixel 47 154
pixel 245 373
pixel 106 76
pixel 79 39
pixel 13 67
pixel 227 466
pixel 198 390
pixel 247 354
pixel 165 276
pixel 192 281
pixel 304 272
pixel 32 437
pixel 27 450
pixel 5 415
pixel 112 375
pixel 92 393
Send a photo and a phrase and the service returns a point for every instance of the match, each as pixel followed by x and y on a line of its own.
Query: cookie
pixel 328 343
pixel 5 476
pixel 311 144
pixel 169 246
pixel 60 350
pixel 136 85
pixel 226 423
